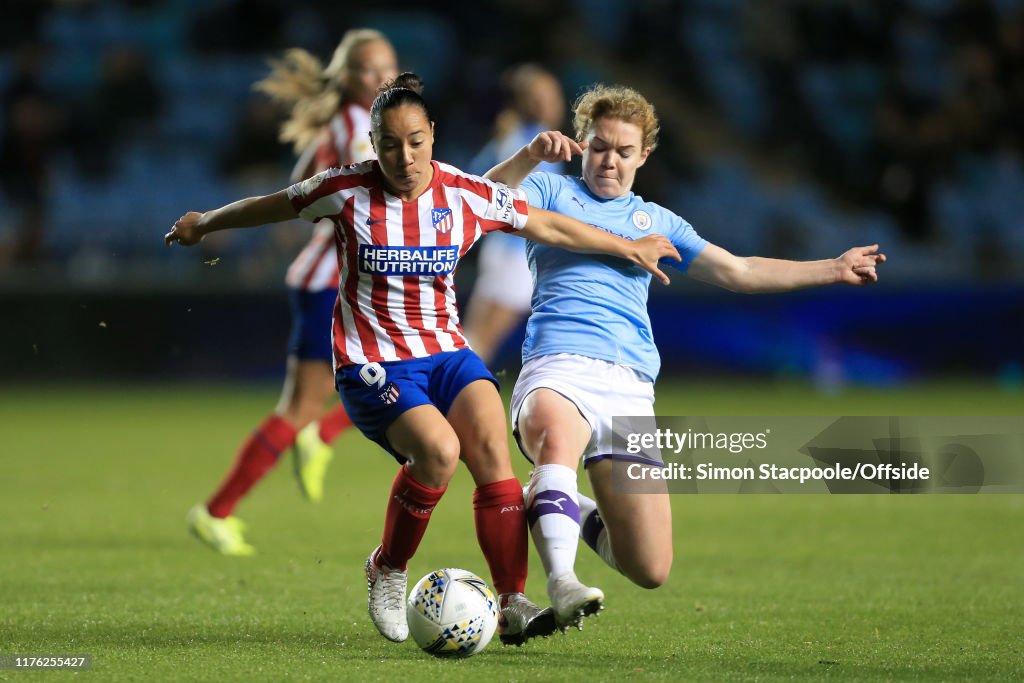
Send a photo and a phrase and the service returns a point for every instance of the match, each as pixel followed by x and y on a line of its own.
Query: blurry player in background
pixel 589 352
pixel 329 126
pixel 500 299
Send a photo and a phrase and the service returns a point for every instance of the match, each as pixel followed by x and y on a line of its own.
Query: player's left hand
pixel 186 231
pixel 553 146
pixel 858 265
pixel 650 250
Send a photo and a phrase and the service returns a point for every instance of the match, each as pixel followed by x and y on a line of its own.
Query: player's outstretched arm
pixel 245 213
pixel 753 274
pixel 550 146
pixel 556 230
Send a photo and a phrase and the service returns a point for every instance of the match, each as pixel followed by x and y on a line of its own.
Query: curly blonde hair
pixel 313 91
pixel 616 102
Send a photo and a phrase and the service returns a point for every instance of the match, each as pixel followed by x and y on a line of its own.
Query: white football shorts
pixel 599 389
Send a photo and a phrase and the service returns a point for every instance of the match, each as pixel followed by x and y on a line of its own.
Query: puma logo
pixel 557 501
pixel 579 202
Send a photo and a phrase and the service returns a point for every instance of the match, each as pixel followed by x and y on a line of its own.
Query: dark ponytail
pixel 405 89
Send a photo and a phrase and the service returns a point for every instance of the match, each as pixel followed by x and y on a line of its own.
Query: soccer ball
pixel 452 613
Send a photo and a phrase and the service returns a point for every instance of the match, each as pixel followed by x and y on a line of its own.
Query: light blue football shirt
pixel 592 305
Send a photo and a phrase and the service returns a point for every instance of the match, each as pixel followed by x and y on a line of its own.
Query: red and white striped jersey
pixel 397 297
pixel 347 138
pixel 345 141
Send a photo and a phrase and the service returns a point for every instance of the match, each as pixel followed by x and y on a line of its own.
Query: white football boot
pixel 386 599
pixel 572 601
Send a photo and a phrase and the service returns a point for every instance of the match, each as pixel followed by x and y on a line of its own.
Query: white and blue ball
pixel 452 613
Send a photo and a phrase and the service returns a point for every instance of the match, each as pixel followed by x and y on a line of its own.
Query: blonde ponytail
pixel 313 92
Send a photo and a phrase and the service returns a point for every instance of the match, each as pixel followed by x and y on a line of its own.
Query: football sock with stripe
pixel 257 456
pixel 594 533
pixel 554 517
pixel 500 516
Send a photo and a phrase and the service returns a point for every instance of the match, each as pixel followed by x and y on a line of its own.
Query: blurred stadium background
pixel 790 129
pixel 129 372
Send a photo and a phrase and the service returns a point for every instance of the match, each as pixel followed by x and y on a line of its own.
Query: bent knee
pixel 300 415
pixel 440 457
pixel 548 440
pixel 487 451
pixel 445 453
pixel 532 429
pixel 651 574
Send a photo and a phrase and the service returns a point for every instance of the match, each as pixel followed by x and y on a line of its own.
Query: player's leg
pixel 630 529
pixel 424 437
pixel 478 417
pixel 309 388
pixel 390 405
pixel 311 385
pixel 594 533
pixel 213 522
pixel 307 385
pixel 554 434
pixel 638 527
pixel 333 424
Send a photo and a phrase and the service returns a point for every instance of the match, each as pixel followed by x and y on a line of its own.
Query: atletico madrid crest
pixel 442 219
pixel 390 393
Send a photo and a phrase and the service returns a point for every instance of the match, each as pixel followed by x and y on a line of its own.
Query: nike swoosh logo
pixel 379 220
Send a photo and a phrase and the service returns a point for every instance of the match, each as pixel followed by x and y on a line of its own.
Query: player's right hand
pixel 858 266
pixel 186 230
pixel 552 146
pixel 650 250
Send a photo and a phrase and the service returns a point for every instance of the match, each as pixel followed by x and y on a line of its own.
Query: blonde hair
pixel 616 102
pixel 313 92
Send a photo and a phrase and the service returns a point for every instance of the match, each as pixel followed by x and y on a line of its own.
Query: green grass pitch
pixel 95 483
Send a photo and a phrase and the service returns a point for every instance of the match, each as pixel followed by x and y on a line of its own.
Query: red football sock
pixel 333 424
pixel 500 516
pixel 256 457
pixel 408 514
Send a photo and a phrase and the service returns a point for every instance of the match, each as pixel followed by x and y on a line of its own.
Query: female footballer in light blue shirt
pixel 589 352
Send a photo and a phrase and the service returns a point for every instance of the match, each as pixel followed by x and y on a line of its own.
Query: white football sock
pixel 594 533
pixel 554 517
